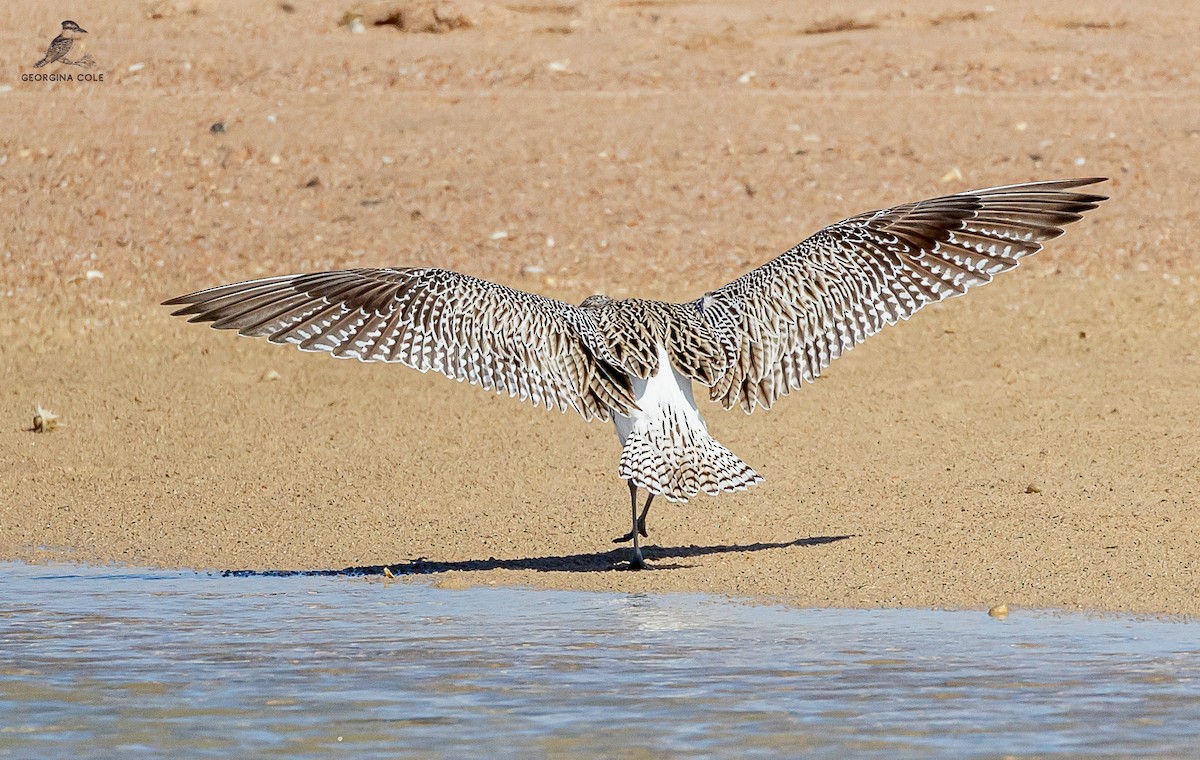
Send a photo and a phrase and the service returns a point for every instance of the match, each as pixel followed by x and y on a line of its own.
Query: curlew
pixel 635 361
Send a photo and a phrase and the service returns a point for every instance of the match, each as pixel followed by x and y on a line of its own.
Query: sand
pixel 1032 444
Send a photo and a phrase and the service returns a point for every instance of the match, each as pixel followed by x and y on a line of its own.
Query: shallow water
pixel 130 663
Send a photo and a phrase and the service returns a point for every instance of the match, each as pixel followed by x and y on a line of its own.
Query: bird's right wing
pixel 785 321
pixel 466 328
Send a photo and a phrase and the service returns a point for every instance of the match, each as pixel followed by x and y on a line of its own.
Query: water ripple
pixel 103 663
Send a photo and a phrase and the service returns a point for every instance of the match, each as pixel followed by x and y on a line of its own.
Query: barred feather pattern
pixel 784 322
pixel 629 334
pixel 633 361
pixel 463 327
pixel 677 459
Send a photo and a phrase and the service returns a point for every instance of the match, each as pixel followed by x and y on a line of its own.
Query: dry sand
pixel 1034 443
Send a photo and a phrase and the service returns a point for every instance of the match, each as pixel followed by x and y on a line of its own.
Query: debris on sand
pixel 167 9
pixel 954 18
pixel 998 611
pixel 839 24
pixel 416 16
pixel 44 420
pixel 1091 25
pixel 88 276
pixel 954 175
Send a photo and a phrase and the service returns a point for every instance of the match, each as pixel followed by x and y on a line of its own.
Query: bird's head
pixel 73 28
pixel 592 302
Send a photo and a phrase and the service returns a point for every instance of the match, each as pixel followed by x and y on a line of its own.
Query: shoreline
pixel 186 447
pixel 1033 443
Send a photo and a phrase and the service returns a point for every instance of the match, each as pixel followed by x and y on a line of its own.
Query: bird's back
pixel 634 333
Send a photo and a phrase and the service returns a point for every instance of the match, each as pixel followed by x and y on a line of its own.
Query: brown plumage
pixel 789 318
pixel 634 361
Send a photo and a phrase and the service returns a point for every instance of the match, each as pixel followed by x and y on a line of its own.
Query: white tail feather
pixel 678 461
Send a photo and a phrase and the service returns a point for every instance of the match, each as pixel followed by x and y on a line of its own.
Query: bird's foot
pixel 641 529
pixel 636 562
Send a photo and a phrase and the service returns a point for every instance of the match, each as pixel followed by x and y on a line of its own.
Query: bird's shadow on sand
pixel 599 562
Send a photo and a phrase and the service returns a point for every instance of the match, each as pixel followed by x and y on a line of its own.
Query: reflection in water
pixel 114 663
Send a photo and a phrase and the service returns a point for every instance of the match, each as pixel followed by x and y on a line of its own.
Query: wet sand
pixel 1033 443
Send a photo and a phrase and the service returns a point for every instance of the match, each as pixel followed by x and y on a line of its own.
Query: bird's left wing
pixel 466 328
pixel 785 321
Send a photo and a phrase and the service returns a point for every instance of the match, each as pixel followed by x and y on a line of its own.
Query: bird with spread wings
pixel 635 362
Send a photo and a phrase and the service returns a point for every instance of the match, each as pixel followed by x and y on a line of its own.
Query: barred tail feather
pixel 679 462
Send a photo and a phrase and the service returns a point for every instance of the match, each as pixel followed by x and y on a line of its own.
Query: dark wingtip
pixel 1092 197
pixel 1076 182
pixel 192 298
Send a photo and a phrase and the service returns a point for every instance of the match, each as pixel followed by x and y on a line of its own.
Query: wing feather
pixel 465 328
pixel 791 317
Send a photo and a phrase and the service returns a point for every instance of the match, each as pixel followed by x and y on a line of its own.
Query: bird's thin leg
pixel 629 536
pixel 641 521
pixel 636 562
